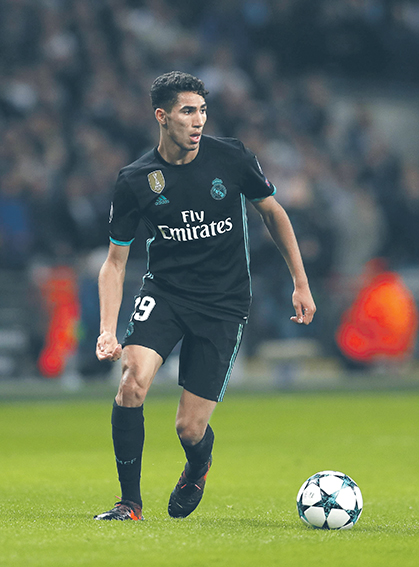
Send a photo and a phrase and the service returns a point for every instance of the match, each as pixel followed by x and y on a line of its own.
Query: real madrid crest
pixel 156 181
pixel 218 190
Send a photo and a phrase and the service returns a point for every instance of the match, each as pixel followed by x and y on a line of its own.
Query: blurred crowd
pixel 74 109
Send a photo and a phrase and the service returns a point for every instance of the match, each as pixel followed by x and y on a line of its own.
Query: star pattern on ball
pixel 329 500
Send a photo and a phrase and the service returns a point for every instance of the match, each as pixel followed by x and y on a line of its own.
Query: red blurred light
pixel 381 323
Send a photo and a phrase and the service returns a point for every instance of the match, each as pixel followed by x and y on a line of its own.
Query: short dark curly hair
pixel 165 89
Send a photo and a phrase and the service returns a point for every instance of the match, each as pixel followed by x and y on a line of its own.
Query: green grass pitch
pixel 57 471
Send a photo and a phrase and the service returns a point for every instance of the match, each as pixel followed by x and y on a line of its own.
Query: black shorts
pixel 209 347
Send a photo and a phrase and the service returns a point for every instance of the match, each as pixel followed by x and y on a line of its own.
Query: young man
pixel 190 191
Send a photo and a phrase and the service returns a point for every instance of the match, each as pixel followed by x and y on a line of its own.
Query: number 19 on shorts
pixel 143 307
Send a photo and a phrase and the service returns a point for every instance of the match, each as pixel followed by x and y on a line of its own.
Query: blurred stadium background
pixel 326 92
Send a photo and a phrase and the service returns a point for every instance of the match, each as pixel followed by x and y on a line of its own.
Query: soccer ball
pixel 329 500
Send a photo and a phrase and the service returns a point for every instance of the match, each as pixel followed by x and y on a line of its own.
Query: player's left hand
pixel 304 306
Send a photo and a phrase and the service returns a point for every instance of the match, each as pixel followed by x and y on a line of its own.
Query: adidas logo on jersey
pixel 162 200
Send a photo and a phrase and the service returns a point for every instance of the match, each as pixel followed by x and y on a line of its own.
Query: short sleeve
pixel 125 214
pixel 255 185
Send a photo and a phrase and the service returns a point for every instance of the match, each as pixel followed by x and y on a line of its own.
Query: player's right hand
pixel 107 347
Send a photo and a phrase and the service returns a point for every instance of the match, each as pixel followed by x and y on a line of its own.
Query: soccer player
pixel 190 191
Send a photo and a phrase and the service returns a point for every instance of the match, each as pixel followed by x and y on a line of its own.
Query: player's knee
pixel 190 431
pixel 133 386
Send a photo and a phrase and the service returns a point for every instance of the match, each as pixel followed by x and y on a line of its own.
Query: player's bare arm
pixel 280 228
pixel 111 282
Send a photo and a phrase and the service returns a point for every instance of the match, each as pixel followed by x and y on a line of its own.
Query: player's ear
pixel 160 115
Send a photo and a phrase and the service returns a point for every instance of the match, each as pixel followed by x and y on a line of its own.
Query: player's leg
pixel 139 366
pixel 151 335
pixel 194 431
pixel 197 439
pixel 207 357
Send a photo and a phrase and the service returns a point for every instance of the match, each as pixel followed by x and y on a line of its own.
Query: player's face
pixel 185 121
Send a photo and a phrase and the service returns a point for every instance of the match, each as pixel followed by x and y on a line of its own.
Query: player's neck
pixel 174 154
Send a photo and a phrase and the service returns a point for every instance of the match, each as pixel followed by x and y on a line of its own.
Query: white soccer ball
pixel 329 500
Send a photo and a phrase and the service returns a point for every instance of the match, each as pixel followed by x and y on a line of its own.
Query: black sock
pixel 128 442
pixel 198 455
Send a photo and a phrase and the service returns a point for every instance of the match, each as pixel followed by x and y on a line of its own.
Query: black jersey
pixel 198 252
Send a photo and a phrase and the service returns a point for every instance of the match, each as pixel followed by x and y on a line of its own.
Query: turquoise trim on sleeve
pixel 263 198
pixel 120 243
